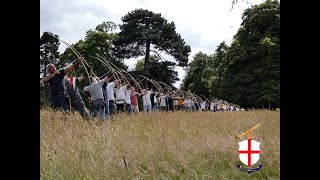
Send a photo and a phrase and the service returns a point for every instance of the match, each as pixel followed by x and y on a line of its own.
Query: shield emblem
pixel 249 152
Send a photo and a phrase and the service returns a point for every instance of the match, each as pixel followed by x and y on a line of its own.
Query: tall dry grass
pixel 179 145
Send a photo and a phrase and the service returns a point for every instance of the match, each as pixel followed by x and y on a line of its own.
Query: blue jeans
pixel 106 108
pixel 155 107
pixel 60 101
pixel 147 108
pixel 81 108
pixel 128 108
pixel 98 107
pixel 109 108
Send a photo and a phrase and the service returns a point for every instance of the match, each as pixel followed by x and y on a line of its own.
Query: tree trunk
pixel 146 64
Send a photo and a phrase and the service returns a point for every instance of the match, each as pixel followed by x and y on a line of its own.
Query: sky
pixel 203 24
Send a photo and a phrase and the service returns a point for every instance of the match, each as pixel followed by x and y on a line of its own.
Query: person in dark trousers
pixel 56 80
pixel 75 96
pixel 170 102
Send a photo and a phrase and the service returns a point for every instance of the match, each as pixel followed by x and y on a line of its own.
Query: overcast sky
pixel 203 24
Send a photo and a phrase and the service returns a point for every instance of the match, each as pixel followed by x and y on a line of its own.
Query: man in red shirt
pixel 134 100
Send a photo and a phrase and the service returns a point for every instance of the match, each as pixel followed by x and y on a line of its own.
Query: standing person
pixel 95 89
pixel 162 100
pixel 189 103
pixel 212 105
pixel 146 101
pixel 203 105
pixel 134 100
pixel 152 99
pixel 175 102
pixel 128 100
pixel 75 97
pixel 180 101
pixel 120 97
pixel 170 102
pixel 155 101
pixel 110 95
pixel 106 103
pixel 56 81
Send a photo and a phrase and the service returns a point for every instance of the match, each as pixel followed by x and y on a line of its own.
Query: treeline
pixel 248 71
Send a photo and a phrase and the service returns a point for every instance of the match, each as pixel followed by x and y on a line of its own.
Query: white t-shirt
pixel 162 100
pixel 212 106
pixel 127 99
pixel 121 94
pixel 146 98
pixel 188 102
pixel 155 100
pixel 110 92
pixel 203 105
pixel 175 102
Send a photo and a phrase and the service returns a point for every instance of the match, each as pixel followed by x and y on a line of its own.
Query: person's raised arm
pixel 73 66
pixel 86 89
pixel 110 78
pixel 45 79
pixel 81 78
pixel 105 79
pixel 48 77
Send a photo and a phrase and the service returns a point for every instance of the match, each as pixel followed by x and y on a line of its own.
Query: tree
pixel 199 74
pixel 159 70
pixel 142 30
pixel 252 78
pixel 49 45
pixel 220 62
pixel 234 2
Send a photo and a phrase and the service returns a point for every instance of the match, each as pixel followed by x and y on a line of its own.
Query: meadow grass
pixel 160 145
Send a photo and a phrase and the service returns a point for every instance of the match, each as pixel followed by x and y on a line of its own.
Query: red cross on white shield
pixel 249 152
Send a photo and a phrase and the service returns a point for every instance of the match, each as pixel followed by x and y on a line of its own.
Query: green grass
pixel 179 145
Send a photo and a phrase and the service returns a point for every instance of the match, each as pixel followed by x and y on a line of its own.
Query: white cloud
pixel 203 24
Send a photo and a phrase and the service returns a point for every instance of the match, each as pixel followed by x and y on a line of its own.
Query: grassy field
pixel 179 145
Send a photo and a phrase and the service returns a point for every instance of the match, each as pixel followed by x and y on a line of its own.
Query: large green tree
pixel 199 74
pixel 49 50
pixel 252 78
pixel 143 31
pixel 163 71
pixel 219 64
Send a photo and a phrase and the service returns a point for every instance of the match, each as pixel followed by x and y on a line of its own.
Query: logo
pixel 249 152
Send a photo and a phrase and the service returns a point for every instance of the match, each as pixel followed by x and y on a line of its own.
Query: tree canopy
pixel 142 30
pixel 248 72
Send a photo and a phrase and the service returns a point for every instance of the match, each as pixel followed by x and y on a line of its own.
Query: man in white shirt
pixel 146 101
pixel 120 97
pixel 189 103
pixel 110 96
pixel 203 105
pixel 155 101
pixel 128 100
pixel 162 100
